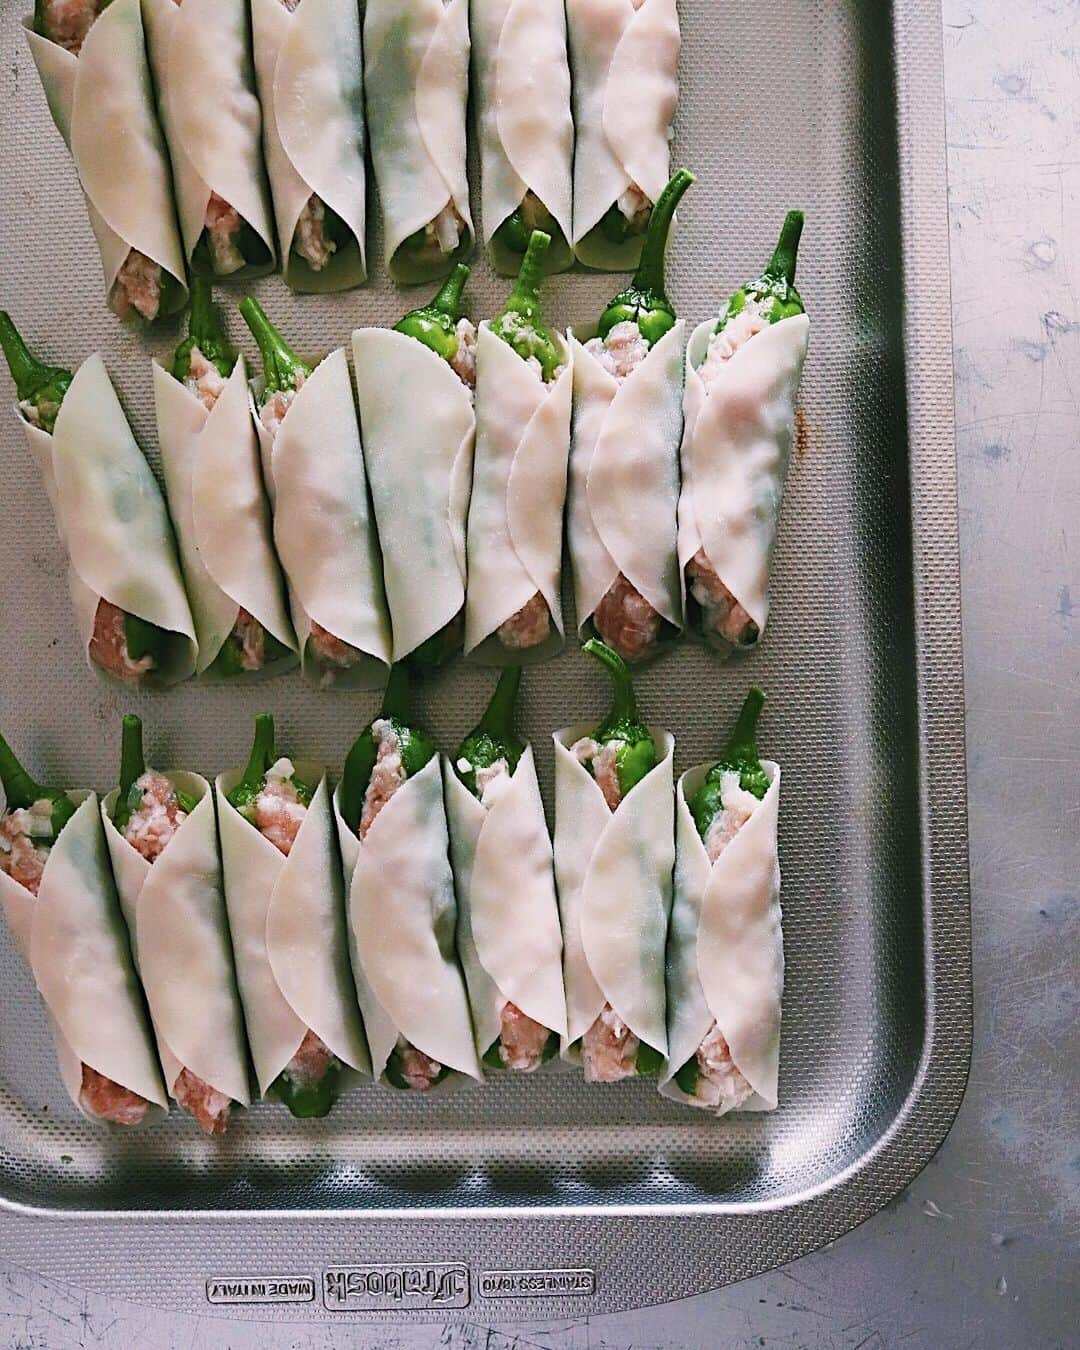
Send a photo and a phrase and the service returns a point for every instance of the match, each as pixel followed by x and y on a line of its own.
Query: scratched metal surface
pixel 862 663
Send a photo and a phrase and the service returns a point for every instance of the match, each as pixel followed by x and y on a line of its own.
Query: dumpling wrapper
pixel 726 949
pixel 625 72
pixel 290 942
pixel 525 125
pixel 175 912
pixel 509 936
pixel 201 59
pixel 416 55
pixel 111 517
pixel 73 938
pixel 518 492
pixel 102 102
pixel 613 870
pixel 213 480
pixel 323 526
pixel 407 974
pixel 420 469
pixel 624 479
pixel 310 74
pixel 735 452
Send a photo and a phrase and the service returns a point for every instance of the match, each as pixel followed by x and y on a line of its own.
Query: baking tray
pixel 836 107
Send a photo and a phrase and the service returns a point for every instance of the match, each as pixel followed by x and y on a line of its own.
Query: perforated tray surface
pixel 835 107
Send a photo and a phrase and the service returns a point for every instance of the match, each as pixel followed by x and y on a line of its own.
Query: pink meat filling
pixel 387 775
pixel 204 379
pixel 23 847
pixel 721 613
pixel 601 761
pixel 311 1062
pixel 418 1070
pixel 332 651
pixel 209 1106
pixel 633 203
pixel 626 621
pixel 222 224
pixel 158 817
pixel 609 1049
pixel 463 363
pixel 105 1100
pixel 272 413
pixel 108 645
pixel 278 810
pixel 442 234
pixel 67 22
pixel 622 351
pixel 310 239
pixel 522 1040
pixel 250 636
pixel 137 287
pixel 720 1083
pixel 528 627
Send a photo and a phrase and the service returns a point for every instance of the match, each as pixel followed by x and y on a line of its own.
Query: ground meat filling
pixel 463 362
pixel 278 811
pixel 442 234
pixel 312 1061
pixel 222 226
pixel 332 651
pixel 621 351
pixel 204 379
pixel 24 843
pixel 105 1100
pixel 67 22
pixel 528 627
pixel 721 613
pixel 272 413
pixel 41 414
pixel 387 775
pixel 419 1071
pixel 249 637
pixel 209 1107
pixel 137 287
pixel 158 817
pixel 633 203
pixel 534 214
pixel 310 239
pixel 108 645
pixel 602 763
pixel 522 1041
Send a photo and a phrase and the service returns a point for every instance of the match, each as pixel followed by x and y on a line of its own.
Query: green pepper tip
pixel 281 365
pixel 35 382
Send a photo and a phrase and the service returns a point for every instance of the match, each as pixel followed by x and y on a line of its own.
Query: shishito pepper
pixel 132 768
pixel 622 730
pixel 41 390
pixel 494 737
pixel 206 332
pixel 530 215
pixel 773 292
pixel 248 243
pixel 521 322
pixel 435 324
pixel 22 792
pixel 283 370
pixel 263 755
pixel 740 756
pixel 645 302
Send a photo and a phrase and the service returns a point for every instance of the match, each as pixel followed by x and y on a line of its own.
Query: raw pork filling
pixel 108 645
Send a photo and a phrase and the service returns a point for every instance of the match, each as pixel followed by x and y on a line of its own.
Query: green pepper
pixel 740 756
pixel 617 227
pixel 635 749
pixel 263 756
pixel 42 386
pixel 206 332
pixel 435 324
pixel 493 738
pixel 415 746
pixel 644 302
pixel 440 646
pixel 281 365
pixel 250 244
pixel 777 282
pixel 229 661
pixel 521 323
pixel 22 792
pixel 132 768
pixel 307 1101
pixel 515 233
pixel 421 242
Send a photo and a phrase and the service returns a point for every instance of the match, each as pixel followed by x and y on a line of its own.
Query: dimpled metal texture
pixel 834 107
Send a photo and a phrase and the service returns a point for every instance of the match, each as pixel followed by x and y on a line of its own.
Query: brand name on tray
pixel 379 1288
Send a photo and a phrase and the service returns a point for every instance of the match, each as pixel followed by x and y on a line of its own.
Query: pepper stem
pixel 202 320
pixel 27 371
pixel 742 743
pixel 649 276
pixel 623 700
pixel 498 718
pixel 280 363
pixel 524 299
pixel 132 761
pixel 395 702
pixel 448 300
pixel 783 261
pixel 262 750
pixel 19 788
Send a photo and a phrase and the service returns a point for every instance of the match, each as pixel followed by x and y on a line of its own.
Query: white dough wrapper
pixel 509 935
pixel 420 469
pixel 324 529
pixel 289 934
pixel 525 126
pixel 403 915
pixel 73 938
pixel 624 57
pixel 726 949
pixel 518 493
pixel 112 519
pixel 624 479
pixel 175 912
pixel 416 73
pixel 102 102
pixel 613 870
pixel 200 54
pixel 214 483
pixel 310 73
pixel 735 451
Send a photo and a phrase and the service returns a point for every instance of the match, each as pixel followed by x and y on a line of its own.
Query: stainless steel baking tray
pixel 833 106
